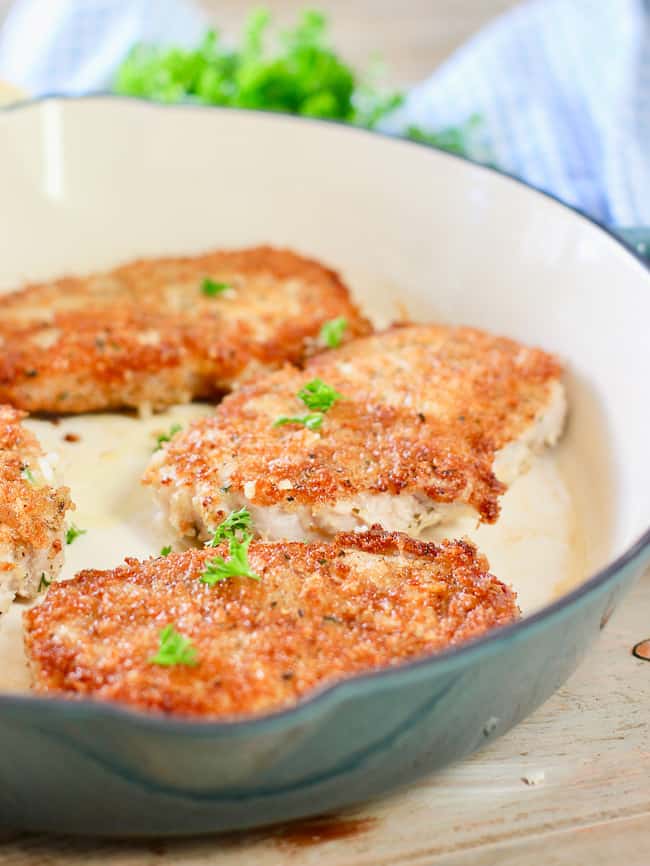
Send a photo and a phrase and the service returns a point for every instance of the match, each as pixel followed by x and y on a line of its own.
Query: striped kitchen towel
pixel 562 87
pixel 563 91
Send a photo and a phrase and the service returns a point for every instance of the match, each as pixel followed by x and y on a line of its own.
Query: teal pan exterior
pixel 357 740
pixel 101 770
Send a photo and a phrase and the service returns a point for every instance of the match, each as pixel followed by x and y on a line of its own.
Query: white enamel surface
pixel 88 184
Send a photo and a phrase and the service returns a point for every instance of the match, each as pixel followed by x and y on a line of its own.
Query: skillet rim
pixel 86 708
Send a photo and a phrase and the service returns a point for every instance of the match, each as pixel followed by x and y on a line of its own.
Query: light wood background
pixel 412 36
pixel 586 750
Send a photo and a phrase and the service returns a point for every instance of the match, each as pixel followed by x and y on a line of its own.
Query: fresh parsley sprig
pixel 237 565
pixel 211 288
pixel 316 395
pixel 237 521
pixel 319 396
pixel 174 649
pixel 73 532
pixel 166 550
pixel 331 334
pixel 298 73
pixel 312 421
pixel 28 475
pixel 161 438
pixel 236 530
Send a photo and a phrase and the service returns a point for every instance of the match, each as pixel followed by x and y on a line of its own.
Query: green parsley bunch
pixel 296 72
pixel 300 73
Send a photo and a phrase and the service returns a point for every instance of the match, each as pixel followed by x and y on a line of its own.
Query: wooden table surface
pixel 567 787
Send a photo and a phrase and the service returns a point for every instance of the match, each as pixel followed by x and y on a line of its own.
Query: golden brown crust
pixel 425 409
pixel 145 333
pixel 489 386
pixel 320 613
pixel 31 510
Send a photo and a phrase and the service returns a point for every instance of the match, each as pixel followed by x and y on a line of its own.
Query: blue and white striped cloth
pixel 562 86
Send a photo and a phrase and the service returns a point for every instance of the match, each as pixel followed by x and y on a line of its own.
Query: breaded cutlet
pixel 32 512
pixel 319 613
pixel 429 421
pixel 161 331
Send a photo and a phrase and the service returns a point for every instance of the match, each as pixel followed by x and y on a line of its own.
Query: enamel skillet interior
pixel 449 240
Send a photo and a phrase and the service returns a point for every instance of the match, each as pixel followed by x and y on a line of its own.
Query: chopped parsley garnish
pixel 319 396
pixel 312 421
pixel 27 474
pixel 167 437
pixel 237 521
pixel 44 582
pixel 211 288
pixel 315 395
pixel 332 332
pixel 73 532
pixel 175 649
pixel 237 565
pixel 166 550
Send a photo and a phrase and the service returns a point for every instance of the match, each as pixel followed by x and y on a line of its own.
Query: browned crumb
pixel 146 334
pixel 320 613
pixel 32 512
pixel 424 411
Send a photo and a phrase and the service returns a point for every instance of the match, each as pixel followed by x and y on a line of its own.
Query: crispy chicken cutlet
pixel 162 331
pixel 155 635
pixel 404 429
pixel 32 513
